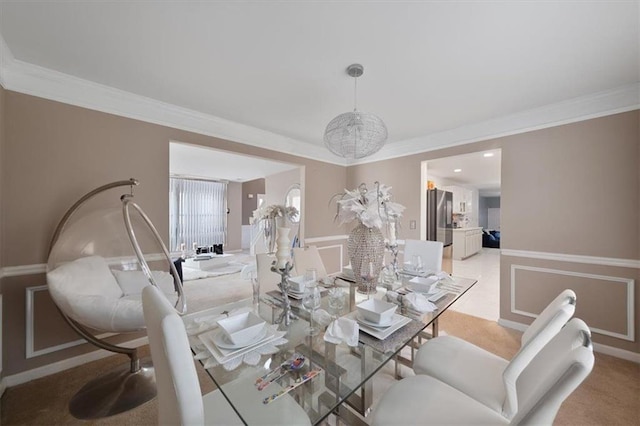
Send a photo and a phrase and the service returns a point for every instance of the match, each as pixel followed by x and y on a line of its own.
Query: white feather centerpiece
pixel 372 210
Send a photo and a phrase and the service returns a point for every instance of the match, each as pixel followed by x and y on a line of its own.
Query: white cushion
pixel 425 400
pixel 464 366
pixel 132 282
pixel 89 276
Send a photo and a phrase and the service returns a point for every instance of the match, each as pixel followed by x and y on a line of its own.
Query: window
pixel 197 212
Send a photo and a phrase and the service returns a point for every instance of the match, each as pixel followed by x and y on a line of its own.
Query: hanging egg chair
pixel 104 251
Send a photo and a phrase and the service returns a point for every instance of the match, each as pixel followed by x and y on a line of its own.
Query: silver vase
pixel 366 252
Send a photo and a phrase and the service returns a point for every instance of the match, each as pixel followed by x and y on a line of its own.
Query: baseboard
pixel 512 324
pixel 597 347
pixel 65 364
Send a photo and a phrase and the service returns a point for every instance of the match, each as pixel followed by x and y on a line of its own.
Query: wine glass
pixel 416 261
pixel 255 286
pixel 336 301
pixel 310 302
pixel 310 276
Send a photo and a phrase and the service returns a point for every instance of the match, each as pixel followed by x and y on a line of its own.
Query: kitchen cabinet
pixel 462 199
pixel 466 242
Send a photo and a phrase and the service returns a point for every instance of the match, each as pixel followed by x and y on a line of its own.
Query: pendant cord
pixel 355 94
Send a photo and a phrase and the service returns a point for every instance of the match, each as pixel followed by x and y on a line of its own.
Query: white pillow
pixel 132 282
pixel 87 276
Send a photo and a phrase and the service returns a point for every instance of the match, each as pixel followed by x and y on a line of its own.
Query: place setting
pixel 378 318
pixel 243 334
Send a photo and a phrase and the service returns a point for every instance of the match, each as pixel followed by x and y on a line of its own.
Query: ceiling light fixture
pixel 457 170
pixel 488 154
pixel 355 134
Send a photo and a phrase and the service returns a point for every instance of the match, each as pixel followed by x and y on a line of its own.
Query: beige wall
pixel 55 153
pixel 253 187
pixel 585 172
pixel 234 218
pixel 572 189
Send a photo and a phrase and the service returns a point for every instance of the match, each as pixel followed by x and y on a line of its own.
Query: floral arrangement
pixel 274 211
pixel 371 208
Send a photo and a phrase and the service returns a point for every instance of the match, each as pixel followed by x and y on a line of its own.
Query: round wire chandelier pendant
pixel 355 134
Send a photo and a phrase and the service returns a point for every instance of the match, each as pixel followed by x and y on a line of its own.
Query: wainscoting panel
pixel 46 329
pixel 605 302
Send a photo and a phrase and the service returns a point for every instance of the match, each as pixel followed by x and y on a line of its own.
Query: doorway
pixel 474 180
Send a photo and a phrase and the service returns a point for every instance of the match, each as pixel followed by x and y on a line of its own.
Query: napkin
pixel 342 330
pixel 414 304
pixel 418 302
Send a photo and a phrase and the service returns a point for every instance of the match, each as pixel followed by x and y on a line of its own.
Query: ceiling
pixel 273 74
pixel 193 161
pixel 479 170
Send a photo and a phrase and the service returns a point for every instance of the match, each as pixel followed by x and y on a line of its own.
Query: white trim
pixel 598 347
pixel 617 352
pixel 340 246
pixel 33 80
pixel 325 239
pixel 42 82
pixel 630 297
pixel 16 271
pixel 65 364
pixel 30 331
pixel 587 107
pixel 573 258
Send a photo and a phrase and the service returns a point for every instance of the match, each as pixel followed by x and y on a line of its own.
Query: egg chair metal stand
pixel 127 386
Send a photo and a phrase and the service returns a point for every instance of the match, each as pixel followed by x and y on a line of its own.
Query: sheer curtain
pixel 197 212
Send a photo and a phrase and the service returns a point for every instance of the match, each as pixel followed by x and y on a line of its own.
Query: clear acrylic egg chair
pixel 103 252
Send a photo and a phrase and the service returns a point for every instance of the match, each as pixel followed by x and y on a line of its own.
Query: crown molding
pixel 33 80
pixel 37 81
pixel 609 102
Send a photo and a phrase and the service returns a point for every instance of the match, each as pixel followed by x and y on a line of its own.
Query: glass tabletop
pixel 332 374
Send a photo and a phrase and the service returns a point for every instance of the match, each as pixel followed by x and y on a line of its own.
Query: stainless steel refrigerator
pixel 440 216
pixel 440 223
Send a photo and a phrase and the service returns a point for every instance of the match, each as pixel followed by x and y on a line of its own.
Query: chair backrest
pixel 306 258
pixel 249 271
pixel 179 397
pixel 555 372
pixel 538 334
pixel 268 279
pixel 429 251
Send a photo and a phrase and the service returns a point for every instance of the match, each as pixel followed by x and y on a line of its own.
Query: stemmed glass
pixel 255 285
pixel 416 261
pixel 311 300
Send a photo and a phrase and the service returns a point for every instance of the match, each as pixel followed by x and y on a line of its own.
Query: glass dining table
pixel 335 379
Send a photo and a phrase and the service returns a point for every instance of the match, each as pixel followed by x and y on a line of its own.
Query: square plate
pixel 225 355
pixel 397 323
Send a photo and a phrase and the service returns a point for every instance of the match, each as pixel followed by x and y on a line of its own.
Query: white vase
pixel 283 252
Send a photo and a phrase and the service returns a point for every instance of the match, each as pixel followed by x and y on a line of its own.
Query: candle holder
pixel 287 315
pixel 393 248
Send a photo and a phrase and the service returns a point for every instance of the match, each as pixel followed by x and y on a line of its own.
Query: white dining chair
pixel 430 253
pixel 551 376
pixel 179 399
pixel 483 375
pixel 306 258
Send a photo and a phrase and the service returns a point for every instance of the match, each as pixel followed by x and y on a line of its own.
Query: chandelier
pixel 355 134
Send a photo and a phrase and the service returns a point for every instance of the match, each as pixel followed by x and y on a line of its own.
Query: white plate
pixel 397 323
pixel 225 355
pixel 360 319
pixel 223 342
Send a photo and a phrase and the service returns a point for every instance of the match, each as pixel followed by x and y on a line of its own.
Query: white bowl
pixel 297 284
pixel 422 284
pixel 376 311
pixel 242 328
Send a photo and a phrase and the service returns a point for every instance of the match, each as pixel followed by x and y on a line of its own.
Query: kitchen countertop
pixel 470 228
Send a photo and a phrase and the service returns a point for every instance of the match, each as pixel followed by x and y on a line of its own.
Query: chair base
pixel 115 392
